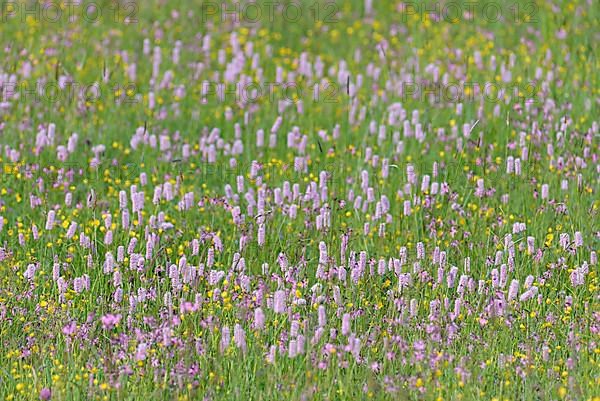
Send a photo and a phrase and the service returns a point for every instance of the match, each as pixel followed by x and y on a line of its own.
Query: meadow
pixel 328 200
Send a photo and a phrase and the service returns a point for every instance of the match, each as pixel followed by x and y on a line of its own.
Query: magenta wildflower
pixel 45 394
pixel 279 301
pixel 109 321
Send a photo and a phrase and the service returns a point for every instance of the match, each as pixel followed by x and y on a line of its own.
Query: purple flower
pixel 109 321
pixel 69 329
pixel 45 394
pixel 279 302
pixel 259 319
